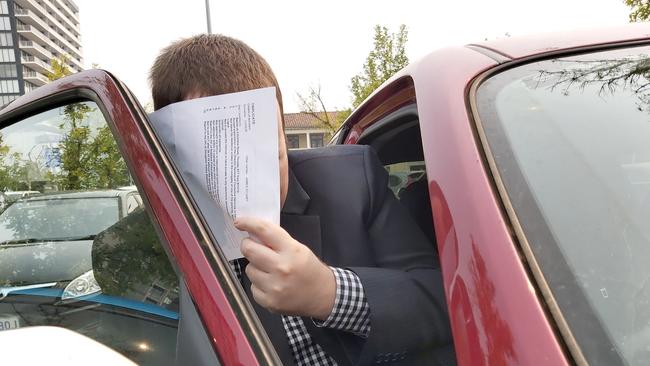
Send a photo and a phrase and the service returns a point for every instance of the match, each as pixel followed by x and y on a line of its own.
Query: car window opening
pixel 398 143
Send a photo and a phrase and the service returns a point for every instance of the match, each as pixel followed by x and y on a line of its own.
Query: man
pixel 347 278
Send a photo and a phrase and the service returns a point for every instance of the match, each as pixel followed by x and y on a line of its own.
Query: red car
pixel 528 162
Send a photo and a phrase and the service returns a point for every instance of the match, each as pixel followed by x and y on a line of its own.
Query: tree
pixel 74 155
pixel 640 10
pixel 78 132
pixel 128 257
pixel 387 57
pixel 11 169
pixel 609 76
pixel 59 67
pixel 89 159
pixel 108 168
pixel 313 104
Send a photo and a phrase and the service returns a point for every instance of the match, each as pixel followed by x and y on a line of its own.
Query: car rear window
pixel 570 138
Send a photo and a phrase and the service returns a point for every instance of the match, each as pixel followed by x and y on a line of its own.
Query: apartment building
pixel 32 32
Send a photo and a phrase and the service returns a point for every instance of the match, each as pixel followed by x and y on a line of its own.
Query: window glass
pixel 6 40
pixel 5 99
pixel 76 248
pixel 293 142
pixel 5 23
pixel 4 9
pixel 570 140
pixel 29 86
pixel 66 217
pixel 402 175
pixel 316 139
pixel 408 182
pixel 8 71
pixel 9 86
pixel 7 55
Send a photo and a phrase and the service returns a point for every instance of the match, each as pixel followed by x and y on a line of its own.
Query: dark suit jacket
pixel 339 205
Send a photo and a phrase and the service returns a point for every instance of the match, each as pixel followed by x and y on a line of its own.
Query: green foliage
pixel 387 57
pixel 74 146
pixel 13 172
pixel 128 258
pixel 109 169
pixel 59 67
pixel 90 159
pixel 640 10
pixel 89 162
pixel 342 115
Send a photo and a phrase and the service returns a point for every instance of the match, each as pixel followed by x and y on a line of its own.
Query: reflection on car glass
pixel 65 185
pixel 129 261
pixel 570 140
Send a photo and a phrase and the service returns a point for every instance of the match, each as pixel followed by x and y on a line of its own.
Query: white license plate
pixel 9 322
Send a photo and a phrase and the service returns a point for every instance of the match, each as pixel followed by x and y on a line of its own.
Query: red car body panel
pixel 496 315
pixel 542 43
pixel 225 332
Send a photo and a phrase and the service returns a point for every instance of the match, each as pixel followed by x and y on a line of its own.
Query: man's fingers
pixel 259 254
pixel 259 296
pixel 257 276
pixel 270 234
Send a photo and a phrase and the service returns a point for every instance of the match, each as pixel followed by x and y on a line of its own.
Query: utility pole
pixel 207 15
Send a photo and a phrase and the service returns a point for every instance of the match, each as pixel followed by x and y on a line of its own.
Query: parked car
pixel 13 196
pixel 4 202
pixel 56 252
pixel 57 229
pixel 537 166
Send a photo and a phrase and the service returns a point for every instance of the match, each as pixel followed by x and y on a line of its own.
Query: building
pixel 32 33
pixel 303 130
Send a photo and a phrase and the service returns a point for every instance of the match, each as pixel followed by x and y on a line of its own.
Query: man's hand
pixel 286 276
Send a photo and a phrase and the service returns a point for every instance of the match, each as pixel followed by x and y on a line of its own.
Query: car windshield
pixel 57 218
pixel 570 138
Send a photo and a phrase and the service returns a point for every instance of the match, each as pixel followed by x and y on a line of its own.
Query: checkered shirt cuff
pixel 351 312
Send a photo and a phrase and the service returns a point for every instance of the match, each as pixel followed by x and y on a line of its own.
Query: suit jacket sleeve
pixel 405 290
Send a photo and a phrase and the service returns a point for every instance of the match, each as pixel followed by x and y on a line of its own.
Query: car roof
pixel 518 47
pixel 470 60
pixel 107 193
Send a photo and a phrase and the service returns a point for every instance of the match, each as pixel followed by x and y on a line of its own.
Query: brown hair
pixel 209 64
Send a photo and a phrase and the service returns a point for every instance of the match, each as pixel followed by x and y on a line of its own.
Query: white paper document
pixel 226 148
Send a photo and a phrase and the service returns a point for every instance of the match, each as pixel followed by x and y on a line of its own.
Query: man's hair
pixel 208 64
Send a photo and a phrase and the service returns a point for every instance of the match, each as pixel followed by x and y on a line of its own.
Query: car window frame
pixel 63 92
pixel 239 302
pixel 390 97
pixel 77 95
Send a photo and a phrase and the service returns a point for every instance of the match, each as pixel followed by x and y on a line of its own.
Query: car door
pixel 420 117
pixel 152 285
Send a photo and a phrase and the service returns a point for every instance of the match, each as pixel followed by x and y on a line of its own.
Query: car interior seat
pixel 415 197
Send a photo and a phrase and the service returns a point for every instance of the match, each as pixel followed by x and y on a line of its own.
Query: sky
pixel 309 43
